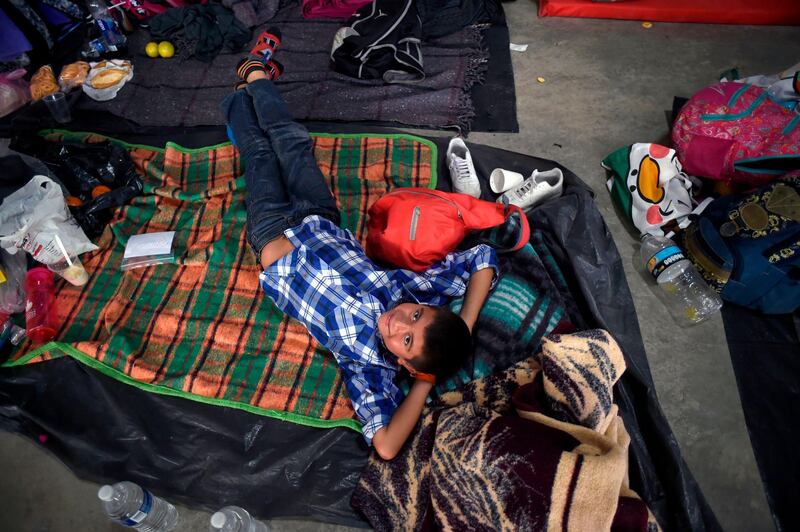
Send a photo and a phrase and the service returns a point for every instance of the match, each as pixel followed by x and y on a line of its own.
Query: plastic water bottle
pixel 235 519
pixel 132 506
pixel 689 298
pixel 111 33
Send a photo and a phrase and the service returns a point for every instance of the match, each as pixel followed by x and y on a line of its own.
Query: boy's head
pixel 425 339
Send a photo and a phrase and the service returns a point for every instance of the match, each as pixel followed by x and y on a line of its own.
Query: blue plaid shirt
pixel 329 284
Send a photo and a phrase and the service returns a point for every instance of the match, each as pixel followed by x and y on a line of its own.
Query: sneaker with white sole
pixel 538 188
pixel 462 170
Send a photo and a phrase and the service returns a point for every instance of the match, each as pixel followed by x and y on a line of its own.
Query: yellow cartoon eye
pixel 647 180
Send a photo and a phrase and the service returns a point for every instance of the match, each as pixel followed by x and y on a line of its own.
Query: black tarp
pixel 121 432
pixel 765 354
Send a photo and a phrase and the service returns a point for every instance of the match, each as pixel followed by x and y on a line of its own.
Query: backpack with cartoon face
pixel 648 184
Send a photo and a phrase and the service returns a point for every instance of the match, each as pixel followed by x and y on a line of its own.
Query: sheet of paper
pixel 149 244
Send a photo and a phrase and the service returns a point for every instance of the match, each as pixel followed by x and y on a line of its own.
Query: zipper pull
pixel 414 220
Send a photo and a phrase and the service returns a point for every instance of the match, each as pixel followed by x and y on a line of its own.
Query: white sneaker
pixel 539 187
pixel 462 171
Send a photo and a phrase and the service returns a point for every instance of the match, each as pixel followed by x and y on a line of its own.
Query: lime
pixel 151 49
pixel 165 49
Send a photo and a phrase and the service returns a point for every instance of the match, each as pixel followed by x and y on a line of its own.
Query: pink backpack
pixel 734 132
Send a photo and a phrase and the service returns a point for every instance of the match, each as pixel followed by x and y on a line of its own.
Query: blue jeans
pixel 284 184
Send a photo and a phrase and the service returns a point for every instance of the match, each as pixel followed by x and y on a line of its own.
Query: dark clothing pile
pixel 383 39
pixel 203 31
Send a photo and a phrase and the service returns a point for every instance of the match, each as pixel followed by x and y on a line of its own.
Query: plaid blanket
pixel 202 329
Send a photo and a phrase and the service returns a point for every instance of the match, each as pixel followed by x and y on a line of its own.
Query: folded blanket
pixel 474 465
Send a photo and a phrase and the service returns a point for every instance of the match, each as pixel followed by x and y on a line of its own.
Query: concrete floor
pixel 607 85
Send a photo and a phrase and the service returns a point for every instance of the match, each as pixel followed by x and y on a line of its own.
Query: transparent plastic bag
pixel 32 217
pixel 14 91
pixel 12 290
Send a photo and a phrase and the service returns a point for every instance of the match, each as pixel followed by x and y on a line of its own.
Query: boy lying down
pixel 374 321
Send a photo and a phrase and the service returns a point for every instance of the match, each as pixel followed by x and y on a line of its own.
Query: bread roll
pixel 73 75
pixel 108 77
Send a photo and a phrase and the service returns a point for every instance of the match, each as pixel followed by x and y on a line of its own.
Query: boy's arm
pixel 389 439
pixel 478 288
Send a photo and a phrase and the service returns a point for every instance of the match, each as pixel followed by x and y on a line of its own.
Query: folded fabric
pixel 443 17
pixel 579 372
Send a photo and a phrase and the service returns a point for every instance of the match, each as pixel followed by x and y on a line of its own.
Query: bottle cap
pixel 218 520
pixel 106 493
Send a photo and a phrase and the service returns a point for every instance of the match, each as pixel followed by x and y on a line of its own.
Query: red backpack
pixel 414 228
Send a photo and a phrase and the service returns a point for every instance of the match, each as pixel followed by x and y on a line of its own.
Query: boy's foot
pixel 266 44
pixel 272 69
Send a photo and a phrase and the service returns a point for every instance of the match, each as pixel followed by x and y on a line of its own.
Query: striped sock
pixel 273 69
pixel 247 66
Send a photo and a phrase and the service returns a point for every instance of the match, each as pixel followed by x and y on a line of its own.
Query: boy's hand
pixel 390 439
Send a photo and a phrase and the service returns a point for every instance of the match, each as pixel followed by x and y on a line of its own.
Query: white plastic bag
pixel 31 217
pixel 121 72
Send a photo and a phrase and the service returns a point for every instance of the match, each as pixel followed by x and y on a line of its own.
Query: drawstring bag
pixel 648 184
pixel 414 228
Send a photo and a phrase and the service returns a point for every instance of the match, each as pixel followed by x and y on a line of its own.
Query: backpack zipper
pixel 415 215
pixel 414 219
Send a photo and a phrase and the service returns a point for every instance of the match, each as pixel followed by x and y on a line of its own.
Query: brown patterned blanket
pixel 473 464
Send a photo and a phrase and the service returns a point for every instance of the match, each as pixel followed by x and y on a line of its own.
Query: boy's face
pixel 403 330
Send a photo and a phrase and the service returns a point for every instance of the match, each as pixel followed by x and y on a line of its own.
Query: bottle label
pixel 141 513
pixel 663 260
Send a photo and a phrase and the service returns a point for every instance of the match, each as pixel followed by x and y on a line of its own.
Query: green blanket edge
pixel 117 375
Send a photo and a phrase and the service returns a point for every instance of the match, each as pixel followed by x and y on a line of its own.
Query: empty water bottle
pixel 688 297
pixel 109 30
pixel 235 519
pixel 132 506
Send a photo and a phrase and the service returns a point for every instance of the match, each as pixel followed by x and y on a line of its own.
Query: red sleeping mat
pixel 780 12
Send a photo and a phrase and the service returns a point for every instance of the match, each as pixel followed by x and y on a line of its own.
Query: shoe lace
pixel 462 168
pixel 524 188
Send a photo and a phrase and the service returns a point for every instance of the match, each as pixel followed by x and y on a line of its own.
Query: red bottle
pixel 40 311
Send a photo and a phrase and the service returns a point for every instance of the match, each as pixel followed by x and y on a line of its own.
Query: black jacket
pixel 381 41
